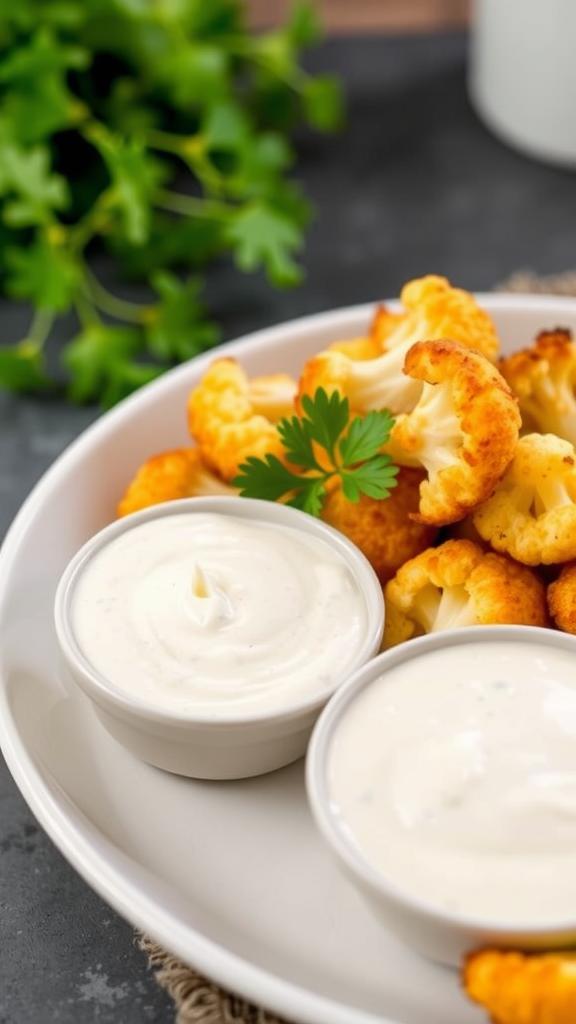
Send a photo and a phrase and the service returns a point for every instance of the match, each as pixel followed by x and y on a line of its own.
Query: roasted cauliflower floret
pixel 562 598
pixel 384 322
pixel 447 312
pixel 359 349
pixel 532 512
pixel 544 379
pixel 272 395
pixel 382 529
pixel 179 473
pixel 517 988
pixel 231 417
pixel 459 584
pixel 463 430
pixel 434 309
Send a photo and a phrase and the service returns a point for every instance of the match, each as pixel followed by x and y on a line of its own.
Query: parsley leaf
pixel 326 418
pixel 375 478
pixel 266 478
pixel 32 192
pixel 358 444
pixel 176 327
pixel 195 72
pixel 44 273
pixel 295 438
pixel 303 24
pixel 22 368
pixel 99 357
pixel 261 235
pixel 39 101
pixel 135 178
pixel 351 452
pixel 323 102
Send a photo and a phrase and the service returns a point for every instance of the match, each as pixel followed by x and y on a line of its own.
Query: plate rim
pixel 94 860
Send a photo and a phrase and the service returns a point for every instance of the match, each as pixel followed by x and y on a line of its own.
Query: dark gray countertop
pixel 414 185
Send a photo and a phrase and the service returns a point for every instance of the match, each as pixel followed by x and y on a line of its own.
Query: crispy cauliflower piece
pixel 382 529
pixel 232 417
pixel 532 512
pixel 434 309
pixel 272 395
pixel 544 379
pixel 518 988
pixel 179 473
pixel 463 430
pixel 447 312
pixel 562 598
pixel 384 322
pixel 459 584
pixel 359 349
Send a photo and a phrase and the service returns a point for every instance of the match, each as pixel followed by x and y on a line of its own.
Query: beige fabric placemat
pixel 197 1000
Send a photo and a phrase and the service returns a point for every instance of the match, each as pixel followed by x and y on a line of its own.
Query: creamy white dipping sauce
pixel 454 775
pixel 217 614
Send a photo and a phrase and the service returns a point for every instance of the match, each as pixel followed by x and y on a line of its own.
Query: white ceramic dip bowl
pixel 443 778
pixel 209 632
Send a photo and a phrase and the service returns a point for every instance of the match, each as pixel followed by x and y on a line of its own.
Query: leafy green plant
pixel 161 131
pixel 323 444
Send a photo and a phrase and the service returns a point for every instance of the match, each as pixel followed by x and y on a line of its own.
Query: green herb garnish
pixel 159 132
pixel 351 451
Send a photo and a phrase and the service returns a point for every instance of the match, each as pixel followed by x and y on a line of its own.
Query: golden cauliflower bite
pixel 383 322
pixel 232 417
pixel 463 430
pixel 382 529
pixel 434 309
pixel 179 473
pixel 356 348
pixel 459 584
pixel 562 598
pixel 532 512
pixel 544 379
pixel 518 988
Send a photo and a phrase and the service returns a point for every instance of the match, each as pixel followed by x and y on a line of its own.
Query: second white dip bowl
pixel 443 778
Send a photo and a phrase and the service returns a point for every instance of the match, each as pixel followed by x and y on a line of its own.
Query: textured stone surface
pixel 415 184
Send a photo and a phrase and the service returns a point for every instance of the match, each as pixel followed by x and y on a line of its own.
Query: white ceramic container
pixel 401 801
pixel 207 741
pixel 522 74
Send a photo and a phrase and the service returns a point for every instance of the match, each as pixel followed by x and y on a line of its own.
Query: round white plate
pixel 230 877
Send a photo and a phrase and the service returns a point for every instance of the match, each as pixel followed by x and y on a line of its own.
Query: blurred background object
pixel 371 15
pixel 523 74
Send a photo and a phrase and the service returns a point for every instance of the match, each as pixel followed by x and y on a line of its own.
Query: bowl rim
pixel 108 694
pixel 317 789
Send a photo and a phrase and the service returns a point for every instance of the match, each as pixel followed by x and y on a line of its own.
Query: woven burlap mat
pixel 197 1000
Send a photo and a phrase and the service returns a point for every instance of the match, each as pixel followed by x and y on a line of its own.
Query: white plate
pixel 231 877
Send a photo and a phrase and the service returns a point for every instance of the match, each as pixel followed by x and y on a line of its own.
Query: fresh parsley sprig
pixel 323 444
